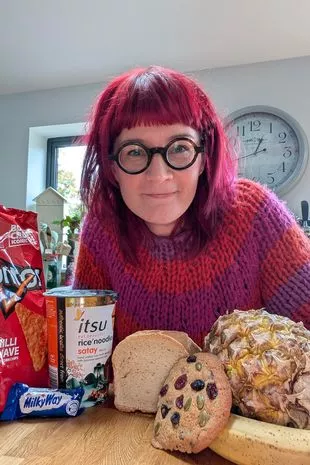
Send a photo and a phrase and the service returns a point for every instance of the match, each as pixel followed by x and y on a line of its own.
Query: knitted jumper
pixel 259 258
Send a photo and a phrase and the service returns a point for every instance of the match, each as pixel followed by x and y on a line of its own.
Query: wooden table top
pixel 99 436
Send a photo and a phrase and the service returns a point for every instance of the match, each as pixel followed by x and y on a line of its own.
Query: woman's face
pixel 160 195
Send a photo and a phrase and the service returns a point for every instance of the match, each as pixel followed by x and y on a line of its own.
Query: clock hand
pixel 258 145
pixel 253 154
pixel 256 150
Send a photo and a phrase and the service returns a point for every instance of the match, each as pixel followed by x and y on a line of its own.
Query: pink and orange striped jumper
pixel 259 258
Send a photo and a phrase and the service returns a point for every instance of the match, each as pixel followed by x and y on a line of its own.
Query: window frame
pixel 53 144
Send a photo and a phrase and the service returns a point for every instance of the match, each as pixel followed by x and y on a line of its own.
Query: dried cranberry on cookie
pixel 194 404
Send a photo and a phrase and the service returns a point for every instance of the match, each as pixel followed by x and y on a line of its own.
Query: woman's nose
pixel 158 169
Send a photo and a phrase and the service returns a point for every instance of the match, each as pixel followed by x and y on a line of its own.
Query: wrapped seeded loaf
pixel 141 363
pixel 194 404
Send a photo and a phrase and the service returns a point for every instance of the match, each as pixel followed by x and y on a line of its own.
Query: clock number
pixel 283 167
pixel 255 125
pixel 270 179
pixel 270 128
pixel 242 131
pixel 288 152
pixel 282 137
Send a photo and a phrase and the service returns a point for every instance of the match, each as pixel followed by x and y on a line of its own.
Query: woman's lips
pixel 161 196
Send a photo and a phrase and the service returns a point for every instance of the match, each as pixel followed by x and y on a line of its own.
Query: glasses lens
pixel 181 153
pixel 133 158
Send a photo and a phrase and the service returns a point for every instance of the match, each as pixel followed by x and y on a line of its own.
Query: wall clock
pixel 270 145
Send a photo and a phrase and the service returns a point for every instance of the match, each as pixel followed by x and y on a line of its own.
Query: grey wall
pixel 20 112
pixel 283 84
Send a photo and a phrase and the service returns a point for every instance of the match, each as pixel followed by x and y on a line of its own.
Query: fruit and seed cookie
pixel 194 404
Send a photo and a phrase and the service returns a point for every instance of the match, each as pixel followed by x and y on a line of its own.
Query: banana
pixel 251 442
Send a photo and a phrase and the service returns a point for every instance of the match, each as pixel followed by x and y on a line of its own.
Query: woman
pixel 169 227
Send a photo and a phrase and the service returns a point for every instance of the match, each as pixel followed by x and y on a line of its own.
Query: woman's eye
pixel 179 148
pixel 134 153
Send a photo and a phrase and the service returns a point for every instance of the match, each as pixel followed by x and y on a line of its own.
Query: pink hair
pixel 155 96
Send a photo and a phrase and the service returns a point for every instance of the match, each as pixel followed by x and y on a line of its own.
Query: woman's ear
pixel 115 173
pixel 202 165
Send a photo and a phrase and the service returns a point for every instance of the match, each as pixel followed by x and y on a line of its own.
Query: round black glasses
pixel 134 157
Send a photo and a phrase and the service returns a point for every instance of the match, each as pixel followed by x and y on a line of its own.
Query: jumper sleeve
pixel 90 271
pixel 285 263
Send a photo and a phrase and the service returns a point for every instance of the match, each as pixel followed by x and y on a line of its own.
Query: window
pixel 64 167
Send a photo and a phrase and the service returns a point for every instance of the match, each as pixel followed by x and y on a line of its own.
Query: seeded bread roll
pixel 141 363
pixel 194 404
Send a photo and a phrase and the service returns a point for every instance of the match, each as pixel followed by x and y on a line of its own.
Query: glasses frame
pixel 151 151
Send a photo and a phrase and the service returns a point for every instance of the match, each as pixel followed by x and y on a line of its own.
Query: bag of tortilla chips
pixel 23 336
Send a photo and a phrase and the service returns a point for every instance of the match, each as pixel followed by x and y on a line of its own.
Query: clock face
pixel 267 147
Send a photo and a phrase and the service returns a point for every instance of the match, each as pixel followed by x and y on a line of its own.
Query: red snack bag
pixel 23 335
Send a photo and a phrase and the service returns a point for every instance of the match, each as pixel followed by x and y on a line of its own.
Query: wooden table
pixel 100 436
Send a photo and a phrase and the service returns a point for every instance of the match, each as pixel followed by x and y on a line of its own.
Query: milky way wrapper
pixel 23 332
pixel 24 401
pixel 80 340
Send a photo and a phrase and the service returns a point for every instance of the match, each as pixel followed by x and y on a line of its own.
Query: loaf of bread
pixel 141 363
pixel 194 404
